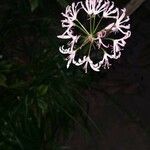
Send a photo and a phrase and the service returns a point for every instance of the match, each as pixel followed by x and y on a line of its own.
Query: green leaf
pixel 34 4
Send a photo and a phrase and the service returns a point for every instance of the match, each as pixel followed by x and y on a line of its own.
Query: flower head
pixel 91 42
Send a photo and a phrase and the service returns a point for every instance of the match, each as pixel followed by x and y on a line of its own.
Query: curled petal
pixel 110 11
pixel 105 61
pixel 72 11
pixel 80 61
pixel 64 51
pixel 95 67
pixel 99 7
pixel 120 21
pixel 94 7
pixel 119 43
pixel 70 58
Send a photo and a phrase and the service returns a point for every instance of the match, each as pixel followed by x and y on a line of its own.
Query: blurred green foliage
pixel 40 100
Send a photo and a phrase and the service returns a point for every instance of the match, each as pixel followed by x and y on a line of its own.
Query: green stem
pixel 82 27
pixel 98 24
pixel 109 39
pixel 90 25
pixel 94 23
pixel 90 49
pixel 84 43
pixel 103 50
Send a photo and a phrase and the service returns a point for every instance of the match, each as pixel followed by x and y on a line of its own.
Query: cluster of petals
pixel 94 8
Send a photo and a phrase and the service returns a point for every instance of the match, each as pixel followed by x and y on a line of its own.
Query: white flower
pixel 71 45
pixel 67 34
pixel 105 60
pixel 99 7
pixel 120 20
pixel 95 67
pixel 80 61
pixel 70 16
pixel 84 43
pixel 72 11
pixel 70 58
pixel 94 7
pixel 110 11
pixel 64 50
pixel 118 43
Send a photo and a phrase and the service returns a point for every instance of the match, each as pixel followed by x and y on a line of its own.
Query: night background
pixel 45 106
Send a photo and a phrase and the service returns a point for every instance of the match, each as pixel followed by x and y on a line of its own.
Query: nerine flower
pixel 119 43
pixel 94 7
pixel 110 11
pixel 120 20
pixel 95 44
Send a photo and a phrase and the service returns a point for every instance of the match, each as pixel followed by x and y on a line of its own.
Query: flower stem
pixel 89 49
pixel 83 44
pixel 103 50
pixel 94 23
pixel 82 27
pixel 90 25
pixel 98 24
pixel 109 39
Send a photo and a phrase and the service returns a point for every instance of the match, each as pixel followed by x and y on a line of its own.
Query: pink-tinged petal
pixel 121 19
pixel 123 14
pixel 125 20
pixel 109 26
pixel 110 11
pixel 95 67
pixel 125 26
pixel 64 37
pixel 70 58
pixel 80 61
pixel 85 66
pixel 63 50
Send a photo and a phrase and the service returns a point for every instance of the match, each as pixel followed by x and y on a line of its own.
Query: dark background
pixel 45 106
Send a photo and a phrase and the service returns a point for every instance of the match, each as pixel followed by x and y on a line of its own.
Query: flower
pixel 94 7
pixel 105 60
pixel 72 11
pixel 70 58
pixel 70 44
pixel 70 15
pixel 110 10
pixel 120 20
pixel 118 43
pixel 92 45
pixel 92 65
